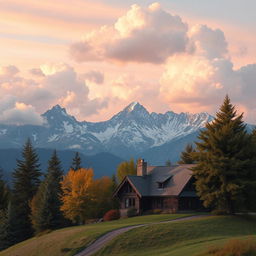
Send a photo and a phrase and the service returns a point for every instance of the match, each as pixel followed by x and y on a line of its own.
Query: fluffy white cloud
pixel 196 83
pixel 58 84
pixel 13 112
pixel 141 35
pixel 208 42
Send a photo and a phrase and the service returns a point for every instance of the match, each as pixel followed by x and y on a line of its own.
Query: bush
pixel 235 248
pixel 219 212
pixel 111 215
pixel 132 212
pixel 157 211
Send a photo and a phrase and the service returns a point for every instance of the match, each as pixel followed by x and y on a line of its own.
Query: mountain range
pixel 133 132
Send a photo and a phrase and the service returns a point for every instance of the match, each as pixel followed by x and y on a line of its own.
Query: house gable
pixel 126 187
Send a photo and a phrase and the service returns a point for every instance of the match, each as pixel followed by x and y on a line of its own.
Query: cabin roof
pixel 177 177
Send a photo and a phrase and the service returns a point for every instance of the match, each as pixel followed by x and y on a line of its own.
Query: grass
pixel 193 237
pixel 69 241
pixel 234 247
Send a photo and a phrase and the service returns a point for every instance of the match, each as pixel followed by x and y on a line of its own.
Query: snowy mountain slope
pixel 128 133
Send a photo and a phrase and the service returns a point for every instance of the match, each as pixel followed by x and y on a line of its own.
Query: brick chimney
pixel 141 167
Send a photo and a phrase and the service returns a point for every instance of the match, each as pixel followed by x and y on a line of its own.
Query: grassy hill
pixel 190 237
pixel 69 241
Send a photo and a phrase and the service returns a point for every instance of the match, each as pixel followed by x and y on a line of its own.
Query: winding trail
pixel 103 240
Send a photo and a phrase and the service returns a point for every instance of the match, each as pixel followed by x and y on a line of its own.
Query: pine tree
pixel 4 201
pixel 4 194
pixel 76 163
pixel 223 160
pixel 250 184
pixel 46 203
pixel 168 163
pixel 25 184
pixel 186 156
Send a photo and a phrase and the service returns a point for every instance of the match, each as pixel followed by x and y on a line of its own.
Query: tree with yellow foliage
pixel 126 168
pixel 101 197
pixel 76 196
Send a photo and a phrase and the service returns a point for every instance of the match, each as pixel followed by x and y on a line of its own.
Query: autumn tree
pixel 186 157
pixel 115 201
pixel 100 197
pixel 76 162
pixel 25 184
pixel 126 168
pixel 76 194
pixel 223 160
pixel 45 206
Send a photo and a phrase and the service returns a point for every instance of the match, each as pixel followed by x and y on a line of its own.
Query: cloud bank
pixel 136 34
pixel 166 63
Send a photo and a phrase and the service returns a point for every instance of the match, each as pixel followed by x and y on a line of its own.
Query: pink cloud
pixel 141 35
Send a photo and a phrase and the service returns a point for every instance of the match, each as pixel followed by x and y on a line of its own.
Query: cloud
pixel 8 71
pixel 58 84
pixel 94 76
pixel 13 112
pixel 196 83
pixel 208 42
pixel 37 72
pixel 141 35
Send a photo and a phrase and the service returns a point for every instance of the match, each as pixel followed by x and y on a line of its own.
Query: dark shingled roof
pixel 175 177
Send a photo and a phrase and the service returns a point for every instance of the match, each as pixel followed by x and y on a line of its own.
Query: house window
pixel 129 202
pixel 160 185
pixel 128 188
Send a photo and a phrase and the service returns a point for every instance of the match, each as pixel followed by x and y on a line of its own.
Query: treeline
pixel 225 163
pixel 36 203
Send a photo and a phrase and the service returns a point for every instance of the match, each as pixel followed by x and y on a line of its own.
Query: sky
pixel 96 57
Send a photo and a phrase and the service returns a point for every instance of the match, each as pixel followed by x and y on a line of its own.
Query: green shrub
pixel 132 212
pixel 111 215
pixel 235 248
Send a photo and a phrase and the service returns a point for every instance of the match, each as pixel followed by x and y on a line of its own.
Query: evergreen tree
pixel 186 157
pixel 223 160
pixel 76 163
pixel 4 201
pixel 8 225
pixel 46 203
pixel 4 194
pixel 250 185
pixel 168 163
pixel 25 184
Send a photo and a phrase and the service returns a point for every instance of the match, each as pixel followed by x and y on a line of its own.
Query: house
pixel 158 187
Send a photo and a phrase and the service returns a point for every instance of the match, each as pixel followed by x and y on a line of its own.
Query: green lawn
pixel 68 241
pixel 191 237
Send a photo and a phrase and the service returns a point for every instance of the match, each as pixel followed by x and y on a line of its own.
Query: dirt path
pixel 103 240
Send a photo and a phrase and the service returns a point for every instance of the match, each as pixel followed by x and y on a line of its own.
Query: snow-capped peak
pixel 132 106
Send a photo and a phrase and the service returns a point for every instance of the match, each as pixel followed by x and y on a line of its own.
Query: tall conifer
pixel 186 157
pixel 76 163
pixel 46 203
pixel 223 160
pixel 25 184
